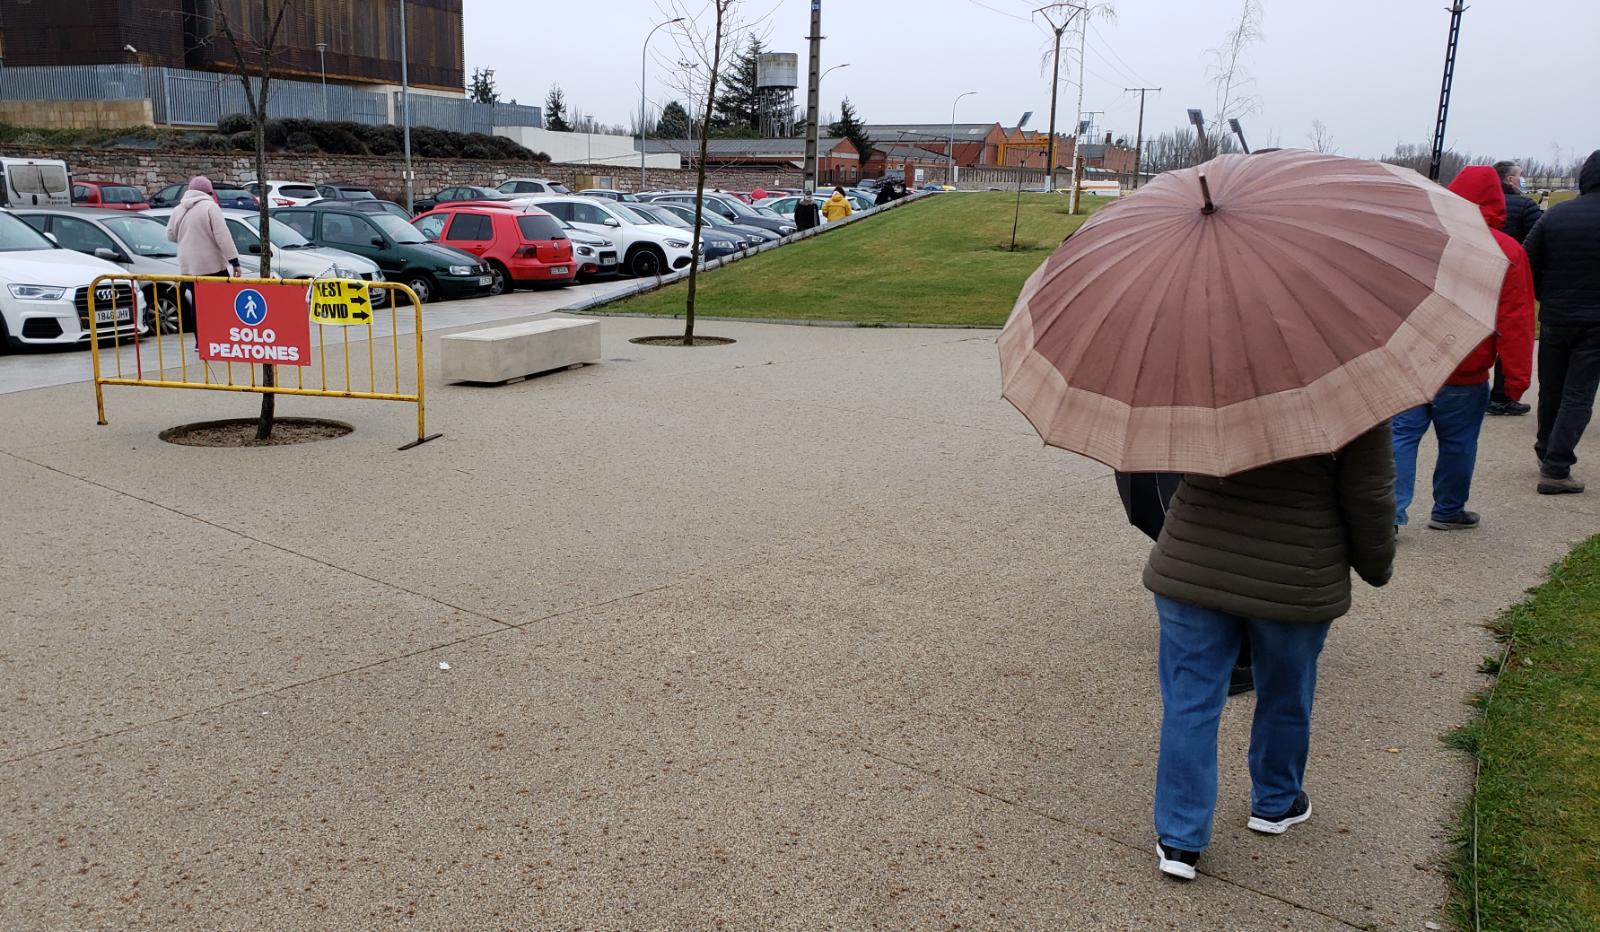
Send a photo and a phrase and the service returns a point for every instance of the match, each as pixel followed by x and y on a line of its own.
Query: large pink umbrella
pixel 1254 309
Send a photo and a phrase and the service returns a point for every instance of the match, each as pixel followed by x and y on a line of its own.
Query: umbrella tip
pixel 1205 191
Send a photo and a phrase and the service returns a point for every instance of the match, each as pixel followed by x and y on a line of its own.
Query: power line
pixel 1000 11
pixel 1113 51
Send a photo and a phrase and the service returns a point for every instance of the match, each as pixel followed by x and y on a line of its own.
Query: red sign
pixel 262 324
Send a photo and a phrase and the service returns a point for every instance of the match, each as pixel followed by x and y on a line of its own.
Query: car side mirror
pixel 379 242
pixel 613 222
pixel 110 255
pixel 52 238
pixel 255 249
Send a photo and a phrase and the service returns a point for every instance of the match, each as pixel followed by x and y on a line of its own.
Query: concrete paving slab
pixel 774 562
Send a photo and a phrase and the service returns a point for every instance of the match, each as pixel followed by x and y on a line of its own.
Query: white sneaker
pixel 1175 863
pixel 1268 825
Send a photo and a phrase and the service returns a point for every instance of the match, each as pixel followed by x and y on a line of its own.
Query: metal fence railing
pixel 179 97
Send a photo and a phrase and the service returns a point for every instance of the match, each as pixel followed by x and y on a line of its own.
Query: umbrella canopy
pixel 1255 309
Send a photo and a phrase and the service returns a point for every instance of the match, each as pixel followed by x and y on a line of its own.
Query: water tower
pixel 777 77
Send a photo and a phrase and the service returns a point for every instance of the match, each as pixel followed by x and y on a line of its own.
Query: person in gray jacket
pixel 1263 556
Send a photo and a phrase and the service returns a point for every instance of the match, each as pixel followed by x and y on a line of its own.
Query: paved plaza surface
pixel 805 632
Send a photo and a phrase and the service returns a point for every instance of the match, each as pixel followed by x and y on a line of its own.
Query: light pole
pixel 322 59
pixel 405 101
pixel 950 162
pixel 644 53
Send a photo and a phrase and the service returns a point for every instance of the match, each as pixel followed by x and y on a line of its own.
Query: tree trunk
pixel 268 373
pixel 700 176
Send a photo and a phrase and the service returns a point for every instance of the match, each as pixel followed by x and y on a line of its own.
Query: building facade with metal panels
pixel 361 37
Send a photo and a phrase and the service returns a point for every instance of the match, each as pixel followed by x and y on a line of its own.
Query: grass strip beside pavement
pixel 943 260
pixel 1537 742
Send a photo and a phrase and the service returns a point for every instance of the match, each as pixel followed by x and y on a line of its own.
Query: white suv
pixel 284 193
pixel 44 292
pixel 647 248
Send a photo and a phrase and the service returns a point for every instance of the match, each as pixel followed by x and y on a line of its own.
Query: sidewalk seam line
pixel 1024 807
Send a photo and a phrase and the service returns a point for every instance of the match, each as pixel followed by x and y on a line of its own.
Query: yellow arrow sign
pixel 341 302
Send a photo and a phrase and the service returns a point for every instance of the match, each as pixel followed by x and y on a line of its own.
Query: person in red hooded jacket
pixel 1457 412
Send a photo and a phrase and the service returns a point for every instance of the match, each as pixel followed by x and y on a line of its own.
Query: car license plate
pixel 559 270
pixel 608 260
pixel 485 279
pixel 113 316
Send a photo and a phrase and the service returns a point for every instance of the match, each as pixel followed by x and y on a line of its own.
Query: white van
pixel 35 183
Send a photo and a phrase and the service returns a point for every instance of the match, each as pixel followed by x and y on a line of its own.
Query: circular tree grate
pixel 241 432
pixel 679 341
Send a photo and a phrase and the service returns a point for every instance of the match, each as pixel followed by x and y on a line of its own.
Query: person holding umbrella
pixel 1252 324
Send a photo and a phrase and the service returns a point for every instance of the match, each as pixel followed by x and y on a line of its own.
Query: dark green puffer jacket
pixel 1279 542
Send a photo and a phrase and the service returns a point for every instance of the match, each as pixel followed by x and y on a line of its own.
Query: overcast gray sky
pixel 1369 69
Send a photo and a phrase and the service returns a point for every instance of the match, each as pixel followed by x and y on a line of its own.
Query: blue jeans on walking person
pixel 1198 648
pixel 1456 414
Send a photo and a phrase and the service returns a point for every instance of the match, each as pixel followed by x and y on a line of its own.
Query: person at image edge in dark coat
pixel 806 213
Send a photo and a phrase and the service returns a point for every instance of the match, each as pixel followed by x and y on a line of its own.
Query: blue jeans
pixel 1457 417
pixel 1198 648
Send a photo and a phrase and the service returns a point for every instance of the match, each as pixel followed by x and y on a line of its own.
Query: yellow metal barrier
pixel 177 346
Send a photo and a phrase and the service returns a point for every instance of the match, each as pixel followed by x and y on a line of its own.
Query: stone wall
pixel 152 169
pixel 76 114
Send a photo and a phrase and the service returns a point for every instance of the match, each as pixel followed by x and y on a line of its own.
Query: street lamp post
pixel 950 164
pixel 322 59
pixel 405 101
pixel 644 53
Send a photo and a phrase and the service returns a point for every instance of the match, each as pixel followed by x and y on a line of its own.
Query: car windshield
pixel 16 236
pixel 146 237
pixel 663 215
pixel 297 190
pixel 741 208
pixel 280 233
pixel 120 194
pixel 397 229
pixel 629 214
pixel 559 188
pixel 769 213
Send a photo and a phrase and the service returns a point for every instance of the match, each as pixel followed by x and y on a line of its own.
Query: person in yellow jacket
pixel 836 207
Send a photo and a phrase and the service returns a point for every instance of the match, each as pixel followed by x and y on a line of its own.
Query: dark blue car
pixel 227 196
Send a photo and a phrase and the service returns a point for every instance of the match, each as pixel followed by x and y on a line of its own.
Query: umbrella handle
pixel 1205 191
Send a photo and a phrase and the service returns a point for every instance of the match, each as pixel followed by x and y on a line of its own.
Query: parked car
pixel 522 247
pixel 710 218
pixel 368 206
pixel 532 186
pixel 733 210
pixel 714 244
pixel 596 256
pixel 626 197
pixel 135 242
pixel 284 193
pixel 457 194
pixel 335 191
pixel 648 248
pixel 227 195
pixel 109 195
pixel 784 206
pixel 34 183
pixel 44 292
pixel 399 249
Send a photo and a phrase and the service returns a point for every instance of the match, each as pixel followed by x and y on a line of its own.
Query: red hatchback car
pixel 522 246
pixel 108 195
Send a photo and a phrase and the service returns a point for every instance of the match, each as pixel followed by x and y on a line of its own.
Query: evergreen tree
pixel 738 102
pixel 851 128
pixel 555 111
pixel 674 122
pixel 483 90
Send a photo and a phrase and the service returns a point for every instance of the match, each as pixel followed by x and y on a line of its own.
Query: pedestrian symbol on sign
pixel 250 307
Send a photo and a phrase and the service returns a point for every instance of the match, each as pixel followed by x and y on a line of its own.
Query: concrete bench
pixel 516 351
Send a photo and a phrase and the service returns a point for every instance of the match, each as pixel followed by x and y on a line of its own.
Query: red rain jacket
pixel 1512 341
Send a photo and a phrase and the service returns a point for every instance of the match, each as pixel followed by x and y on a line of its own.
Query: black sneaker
pixel 1465 521
pixel 1277 825
pixel 1563 486
pixel 1516 408
pixel 1242 680
pixel 1498 408
pixel 1176 863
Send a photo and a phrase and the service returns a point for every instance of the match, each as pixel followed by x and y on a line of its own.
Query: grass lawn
pixel 1538 746
pixel 939 261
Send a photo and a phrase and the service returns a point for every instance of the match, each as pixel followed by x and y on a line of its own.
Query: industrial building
pixel 353 42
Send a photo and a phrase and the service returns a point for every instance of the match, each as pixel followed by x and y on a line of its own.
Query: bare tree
pixel 1228 71
pixel 254 49
pixel 1321 140
pixel 702 39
